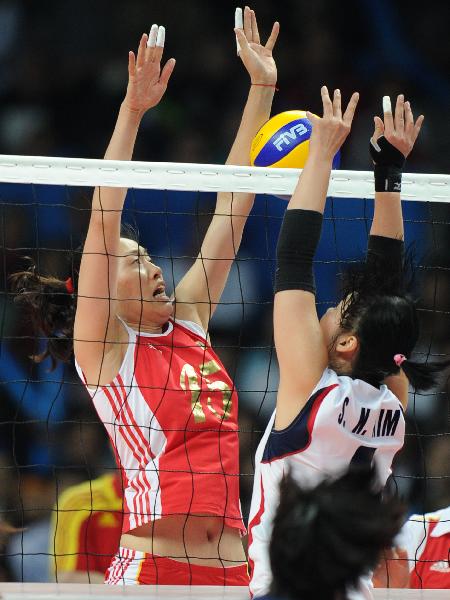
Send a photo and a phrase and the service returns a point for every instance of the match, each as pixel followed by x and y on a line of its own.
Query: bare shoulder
pixel 100 361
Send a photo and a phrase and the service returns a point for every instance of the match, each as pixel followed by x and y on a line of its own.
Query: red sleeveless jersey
pixel 427 541
pixel 171 415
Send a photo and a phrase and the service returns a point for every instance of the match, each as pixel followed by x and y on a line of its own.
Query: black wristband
pixel 387 179
pixel 297 244
pixel 389 162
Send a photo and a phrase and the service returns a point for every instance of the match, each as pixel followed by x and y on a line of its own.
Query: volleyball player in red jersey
pixel 421 555
pixel 166 401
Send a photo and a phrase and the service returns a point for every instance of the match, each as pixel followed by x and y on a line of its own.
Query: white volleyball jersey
pixel 344 421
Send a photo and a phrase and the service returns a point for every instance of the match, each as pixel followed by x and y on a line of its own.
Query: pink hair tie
pixel 399 359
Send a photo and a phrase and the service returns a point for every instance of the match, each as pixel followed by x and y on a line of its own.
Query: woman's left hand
pixel 331 131
pixel 147 81
pixel 257 59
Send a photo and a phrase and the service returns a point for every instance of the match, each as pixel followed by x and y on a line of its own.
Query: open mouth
pixel 160 293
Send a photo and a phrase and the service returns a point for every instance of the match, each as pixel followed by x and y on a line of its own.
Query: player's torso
pixel 345 421
pixel 171 414
pixel 174 389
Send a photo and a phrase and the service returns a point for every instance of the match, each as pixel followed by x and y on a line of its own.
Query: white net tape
pixel 203 178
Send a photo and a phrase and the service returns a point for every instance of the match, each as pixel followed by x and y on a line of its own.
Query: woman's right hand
pixel 330 131
pixel 147 83
pixel 399 129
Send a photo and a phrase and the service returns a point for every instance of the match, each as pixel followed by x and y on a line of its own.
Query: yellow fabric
pixel 73 507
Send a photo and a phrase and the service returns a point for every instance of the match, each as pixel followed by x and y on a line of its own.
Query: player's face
pixel 141 288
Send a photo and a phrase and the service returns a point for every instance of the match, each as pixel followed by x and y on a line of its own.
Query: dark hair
pixel 380 310
pixel 325 538
pixel 50 305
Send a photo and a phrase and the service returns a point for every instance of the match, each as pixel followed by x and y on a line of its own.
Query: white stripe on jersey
pixel 136 435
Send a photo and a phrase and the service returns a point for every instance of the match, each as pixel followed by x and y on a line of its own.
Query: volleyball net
pixel 51 438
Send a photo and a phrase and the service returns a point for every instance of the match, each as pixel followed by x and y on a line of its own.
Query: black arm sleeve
pixel 297 244
pixel 385 254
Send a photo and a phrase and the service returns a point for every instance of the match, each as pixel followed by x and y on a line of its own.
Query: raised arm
pixel 301 346
pixel 200 290
pixel 392 141
pixel 96 329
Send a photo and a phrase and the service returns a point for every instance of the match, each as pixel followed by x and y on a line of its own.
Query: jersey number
pixel 189 380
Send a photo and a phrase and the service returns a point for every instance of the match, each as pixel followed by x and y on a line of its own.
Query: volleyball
pixel 283 141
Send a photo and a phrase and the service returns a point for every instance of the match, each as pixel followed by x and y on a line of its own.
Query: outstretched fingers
pixel 326 102
pixel 387 116
pixel 270 44
pixel 418 126
pixel 337 108
pixel 412 129
pixel 400 114
pixel 140 59
pixel 334 108
pixel 350 110
pixel 248 30
pixel 256 38
pixel 167 72
pixel 241 39
pixel 131 64
pixel 160 41
pixel 378 128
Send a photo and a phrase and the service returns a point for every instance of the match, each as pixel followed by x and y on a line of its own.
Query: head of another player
pixel 325 538
pixel 376 322
pixel 50 302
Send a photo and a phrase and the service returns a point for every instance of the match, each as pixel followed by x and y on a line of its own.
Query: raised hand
pixel 146 81
pixel 400 130
pixel 330 132
pixel 257 59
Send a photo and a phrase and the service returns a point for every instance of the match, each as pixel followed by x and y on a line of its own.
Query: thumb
pixel 379 128
pixel 312 117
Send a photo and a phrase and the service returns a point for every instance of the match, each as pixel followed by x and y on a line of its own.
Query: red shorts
pixel 132 567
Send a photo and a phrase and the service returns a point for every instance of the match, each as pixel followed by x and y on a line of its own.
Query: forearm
pixel 121 147
pixel 312 187
pixel 388 217
pixel 256 113
pixel 232 209
pixel 98 269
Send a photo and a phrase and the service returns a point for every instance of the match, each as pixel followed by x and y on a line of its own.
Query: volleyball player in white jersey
pixel 333 407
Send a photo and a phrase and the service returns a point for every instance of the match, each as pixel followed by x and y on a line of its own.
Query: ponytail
pixel 423 376
pixel 50 305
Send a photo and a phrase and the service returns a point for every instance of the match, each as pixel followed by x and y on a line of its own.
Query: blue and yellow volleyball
pixel 283 141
